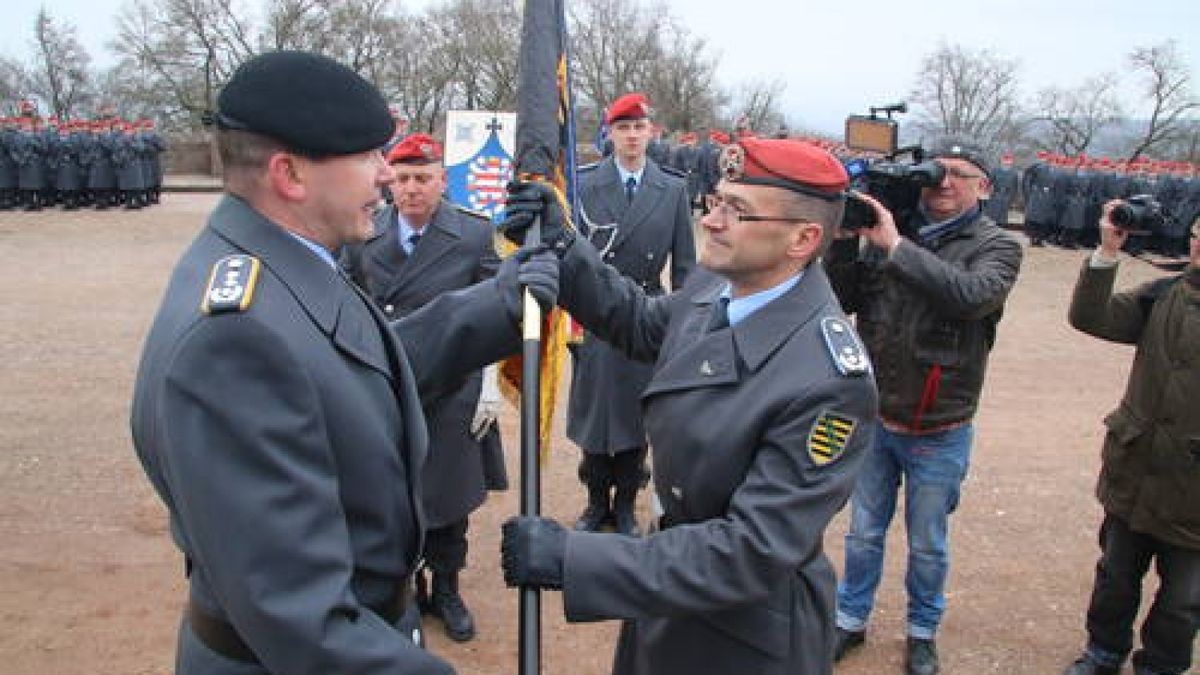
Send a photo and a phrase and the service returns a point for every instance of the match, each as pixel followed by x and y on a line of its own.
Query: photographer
pixel 1149 481
pixel 927 309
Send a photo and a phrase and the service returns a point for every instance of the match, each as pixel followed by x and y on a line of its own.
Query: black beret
pixel 309 102
pixel 957 147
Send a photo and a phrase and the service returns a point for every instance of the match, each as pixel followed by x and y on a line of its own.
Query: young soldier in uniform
pixel 422 247
pixel 1150 474
pixel 758 414
pixel 638 215
pixel 278 414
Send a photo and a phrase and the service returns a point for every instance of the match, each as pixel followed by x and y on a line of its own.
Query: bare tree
pixel 186 49
pixel 420 80
pixel 59 72
pixel 681 82
pixel 967 92
pixel 757 105
pixel 1075 116
pixel 14 84
pixel 1167 84
pixel 614 41
pixel 482 38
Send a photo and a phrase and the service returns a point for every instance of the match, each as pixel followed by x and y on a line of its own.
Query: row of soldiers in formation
pixel 95 163
pixel 1063 196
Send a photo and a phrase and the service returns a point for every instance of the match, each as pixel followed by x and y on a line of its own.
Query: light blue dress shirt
pixel 740 308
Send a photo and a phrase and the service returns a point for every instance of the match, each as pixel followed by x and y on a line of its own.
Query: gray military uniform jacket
pixel 603 412
pixel 757 437
pixel 455 251
pixel 287 441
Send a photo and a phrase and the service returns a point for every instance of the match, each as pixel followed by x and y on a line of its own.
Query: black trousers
pixel 446 547
pixel 1169 631
pixel 624 469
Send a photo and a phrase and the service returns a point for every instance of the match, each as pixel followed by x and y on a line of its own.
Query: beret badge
pixel 733 162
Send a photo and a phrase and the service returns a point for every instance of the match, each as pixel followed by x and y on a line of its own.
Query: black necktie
pixel 720 315
pixel 630 188
pixel 414 239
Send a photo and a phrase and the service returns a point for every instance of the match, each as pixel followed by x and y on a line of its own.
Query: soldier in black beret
pixel 276 411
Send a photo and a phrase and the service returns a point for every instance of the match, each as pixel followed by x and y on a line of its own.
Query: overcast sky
pixel 836 57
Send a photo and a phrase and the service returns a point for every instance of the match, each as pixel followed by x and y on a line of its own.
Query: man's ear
pixel 287 176
pixel 985 187
pixel 805 241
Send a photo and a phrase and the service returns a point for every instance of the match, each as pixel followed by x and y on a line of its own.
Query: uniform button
pixel 649 256
pixel 388 309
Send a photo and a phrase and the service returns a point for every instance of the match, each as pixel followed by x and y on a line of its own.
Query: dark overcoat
pixel 287 440
pixel 456 251
pixel 739 583
pixel 638 239
pixel 1150 471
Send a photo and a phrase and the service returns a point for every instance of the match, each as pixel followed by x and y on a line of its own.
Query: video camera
pixel 1139 214
pixel 896 184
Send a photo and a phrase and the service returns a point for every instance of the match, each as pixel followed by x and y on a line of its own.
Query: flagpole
pixel 543 113
pixel 529 648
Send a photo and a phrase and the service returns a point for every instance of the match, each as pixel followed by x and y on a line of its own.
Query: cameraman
pixel 1149 481
pixel 927 309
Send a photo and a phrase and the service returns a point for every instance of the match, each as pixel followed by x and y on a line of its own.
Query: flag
pixel 545 152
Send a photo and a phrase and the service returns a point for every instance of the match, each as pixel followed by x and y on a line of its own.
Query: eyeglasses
pixel 728 212
pixel 961 174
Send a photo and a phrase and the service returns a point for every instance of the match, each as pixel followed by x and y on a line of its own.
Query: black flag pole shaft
pixel 530 646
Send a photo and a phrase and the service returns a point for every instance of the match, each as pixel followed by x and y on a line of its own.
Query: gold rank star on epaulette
pixel 231 285
pixel 847 352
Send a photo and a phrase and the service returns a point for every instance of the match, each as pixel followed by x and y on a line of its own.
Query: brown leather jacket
pixel 1150 476
pixel 928 317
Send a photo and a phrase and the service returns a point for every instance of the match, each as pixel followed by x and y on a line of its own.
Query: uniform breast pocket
pixel 939 344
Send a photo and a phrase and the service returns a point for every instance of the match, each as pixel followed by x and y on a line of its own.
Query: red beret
pixel 633 106
pixel 416 149
pixel 786 163
pixel 718 137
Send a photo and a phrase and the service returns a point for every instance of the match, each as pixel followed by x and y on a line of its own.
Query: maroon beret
pixel 633 106
pixel 787 163
pixel 416 149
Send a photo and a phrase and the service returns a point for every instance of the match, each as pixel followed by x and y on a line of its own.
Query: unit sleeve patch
pixel 828 437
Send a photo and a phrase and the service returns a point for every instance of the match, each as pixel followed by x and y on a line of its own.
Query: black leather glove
pixel 533 268
pixel 532 551
pixel 527 201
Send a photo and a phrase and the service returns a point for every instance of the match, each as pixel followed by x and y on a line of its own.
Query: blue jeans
pixel 931 468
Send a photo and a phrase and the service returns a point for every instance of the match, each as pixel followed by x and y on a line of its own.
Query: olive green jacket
pixel 1150 476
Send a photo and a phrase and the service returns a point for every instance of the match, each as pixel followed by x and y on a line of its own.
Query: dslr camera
pixel 894 182
pixel 1139 214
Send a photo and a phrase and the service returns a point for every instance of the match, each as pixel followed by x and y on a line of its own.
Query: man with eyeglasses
pixel 637 213
pixel 1149 483
pixel 758 412
pixel 927 308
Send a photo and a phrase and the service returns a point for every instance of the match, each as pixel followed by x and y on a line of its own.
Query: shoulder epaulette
pixel 231 284
pixel 471 212
pixel 586 167
pixel 847 352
